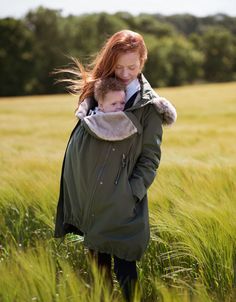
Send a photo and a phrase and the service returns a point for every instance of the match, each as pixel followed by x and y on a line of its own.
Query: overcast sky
pixel 18 8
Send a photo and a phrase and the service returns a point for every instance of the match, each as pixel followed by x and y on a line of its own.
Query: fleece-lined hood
pixel 146 96
pixel 112 126
pixel 120 125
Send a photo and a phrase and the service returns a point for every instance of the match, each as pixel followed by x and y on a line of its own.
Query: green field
pixel 192 253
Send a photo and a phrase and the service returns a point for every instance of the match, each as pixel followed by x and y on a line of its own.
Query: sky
pixel 200 8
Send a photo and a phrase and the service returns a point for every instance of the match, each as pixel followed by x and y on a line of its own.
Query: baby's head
pixel 110 95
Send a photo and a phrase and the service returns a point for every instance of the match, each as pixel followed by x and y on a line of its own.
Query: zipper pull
pixel 123 160
pixel 118 176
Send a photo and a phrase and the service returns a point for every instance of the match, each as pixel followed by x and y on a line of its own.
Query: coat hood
pixel 112 126
pixel 146 96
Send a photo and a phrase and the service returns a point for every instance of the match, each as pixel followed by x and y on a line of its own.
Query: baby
pixel 110 95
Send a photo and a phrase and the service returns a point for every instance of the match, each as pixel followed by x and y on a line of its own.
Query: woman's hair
pixel 104 64
pixel 103 86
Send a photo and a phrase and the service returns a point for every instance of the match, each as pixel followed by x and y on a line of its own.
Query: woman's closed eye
pixel 131 67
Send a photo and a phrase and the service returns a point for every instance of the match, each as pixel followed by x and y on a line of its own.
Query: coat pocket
pixel 136 200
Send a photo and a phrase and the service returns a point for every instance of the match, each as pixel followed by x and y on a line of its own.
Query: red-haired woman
pixel 111 160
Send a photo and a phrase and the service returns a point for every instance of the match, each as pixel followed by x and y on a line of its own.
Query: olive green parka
pixel 110 161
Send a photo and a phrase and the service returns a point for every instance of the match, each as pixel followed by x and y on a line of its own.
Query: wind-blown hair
pixel 103 65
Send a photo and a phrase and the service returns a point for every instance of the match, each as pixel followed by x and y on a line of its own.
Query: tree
pixel 49 47
pixel 16 59
pixel 184 23
pixel 172 62
pixel 150 25
pixel 108 25
pixel 218 46
pixel 87 33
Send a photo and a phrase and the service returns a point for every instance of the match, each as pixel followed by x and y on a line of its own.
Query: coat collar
pixel 112 126
pixel 148 96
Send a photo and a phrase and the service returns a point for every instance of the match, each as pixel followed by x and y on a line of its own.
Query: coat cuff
pixel 138 188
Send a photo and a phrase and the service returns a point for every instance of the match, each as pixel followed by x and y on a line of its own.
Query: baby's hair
pixel 103 86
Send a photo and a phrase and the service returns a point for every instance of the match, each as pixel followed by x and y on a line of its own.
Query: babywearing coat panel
pixel 104 183
pixel 100 200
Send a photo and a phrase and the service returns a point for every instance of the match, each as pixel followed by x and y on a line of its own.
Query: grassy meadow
pixel 192 253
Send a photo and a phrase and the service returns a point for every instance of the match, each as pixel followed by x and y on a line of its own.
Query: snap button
pixel 113 149
pixel 101 182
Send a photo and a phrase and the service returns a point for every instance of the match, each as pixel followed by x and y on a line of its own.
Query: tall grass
pixel 192 253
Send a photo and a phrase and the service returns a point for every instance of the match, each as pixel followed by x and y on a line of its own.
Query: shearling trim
pixel 83 108
pixel 112 126
pixel 166 109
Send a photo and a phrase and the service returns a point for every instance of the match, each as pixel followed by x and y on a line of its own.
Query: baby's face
pixel 113 101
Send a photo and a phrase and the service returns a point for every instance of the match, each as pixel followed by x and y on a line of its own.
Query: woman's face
pixel 127 67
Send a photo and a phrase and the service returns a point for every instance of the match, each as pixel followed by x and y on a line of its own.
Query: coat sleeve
pixel 145 168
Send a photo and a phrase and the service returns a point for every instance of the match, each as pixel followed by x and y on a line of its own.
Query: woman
pixel 111 160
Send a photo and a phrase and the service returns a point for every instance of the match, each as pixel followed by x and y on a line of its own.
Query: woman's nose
pixel 125 72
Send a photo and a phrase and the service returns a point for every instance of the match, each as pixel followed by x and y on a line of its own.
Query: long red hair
pixel 104 64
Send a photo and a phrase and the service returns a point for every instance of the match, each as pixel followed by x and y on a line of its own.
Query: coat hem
pixel 68 226
pixel 114 252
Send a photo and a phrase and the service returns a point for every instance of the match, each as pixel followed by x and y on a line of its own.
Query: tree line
pixel 182 48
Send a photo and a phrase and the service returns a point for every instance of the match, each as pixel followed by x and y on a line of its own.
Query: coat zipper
pixel 123 164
